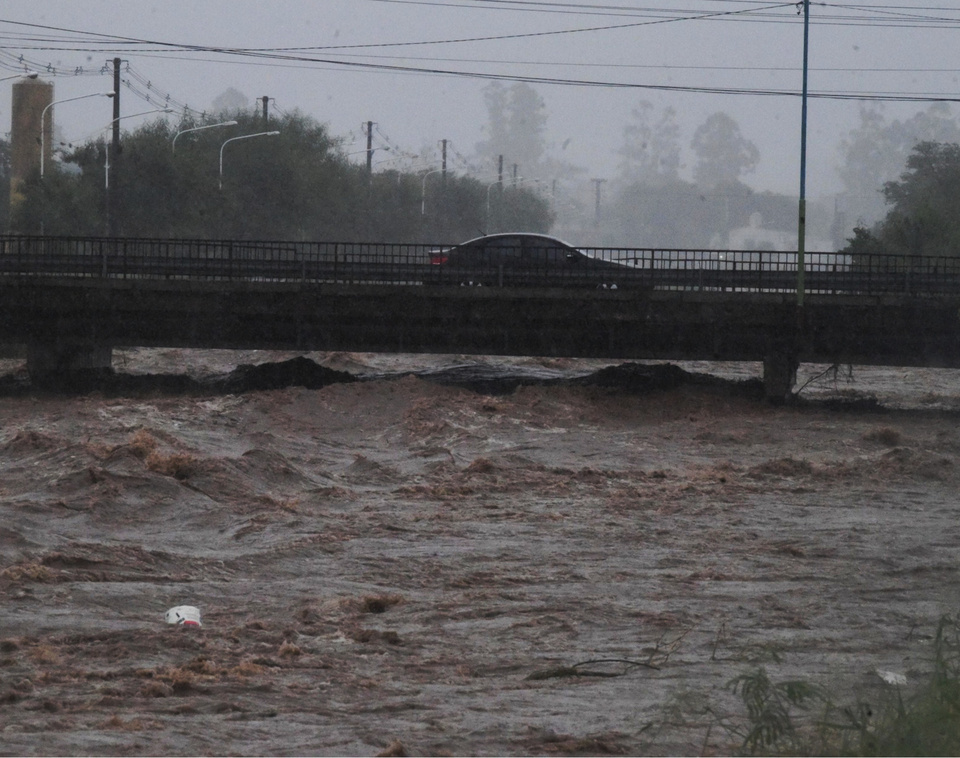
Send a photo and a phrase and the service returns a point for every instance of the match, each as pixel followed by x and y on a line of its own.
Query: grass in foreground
pixel 781 716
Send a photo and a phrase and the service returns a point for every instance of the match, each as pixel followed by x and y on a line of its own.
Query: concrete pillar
pixel 61 360
pixel 779 374
pixel 30 97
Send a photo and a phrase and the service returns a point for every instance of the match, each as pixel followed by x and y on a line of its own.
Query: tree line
pixel 924 208
pixel 296 185
pixel 300 185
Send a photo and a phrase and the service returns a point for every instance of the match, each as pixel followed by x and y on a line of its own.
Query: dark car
pixel 523 259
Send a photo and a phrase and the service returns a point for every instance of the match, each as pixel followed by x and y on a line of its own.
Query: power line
pixel 144 89
pixel 740 14
pixel 17 63
pixel 589 9
pixel 523 35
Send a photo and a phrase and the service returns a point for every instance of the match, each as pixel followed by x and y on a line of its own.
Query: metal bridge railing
pixel 411 264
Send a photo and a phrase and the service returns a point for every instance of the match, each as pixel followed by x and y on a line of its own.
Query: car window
pixel 543 250
pixel 504 247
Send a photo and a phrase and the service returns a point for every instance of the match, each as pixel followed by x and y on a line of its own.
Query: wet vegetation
pixel 924 215
pixel 296 185
pixel 795 717
pixel 301 184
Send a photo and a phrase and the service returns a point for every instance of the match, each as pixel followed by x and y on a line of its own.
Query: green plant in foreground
pixel 924 722
pixel 770 712
pixel 928 721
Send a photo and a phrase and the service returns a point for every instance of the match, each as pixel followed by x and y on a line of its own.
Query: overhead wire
pixel 143 88
pixel 522 35
pixel 755 12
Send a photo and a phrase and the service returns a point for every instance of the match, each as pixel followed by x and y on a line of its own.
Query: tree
pixel 5 175
pixel 294 186
pixel 516 127
pixel 61 204
pixel 924 217
pixel 669 214
pixel 230 101
pixel 723 153
pixel 650 153
pixel 876 151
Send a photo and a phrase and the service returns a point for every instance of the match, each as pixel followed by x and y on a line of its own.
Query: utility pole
pixel 516 167
pixel 597 182
pixel 266 113
pixel 441 227
pixel 113 189
pixel 369 149
pixel 802 220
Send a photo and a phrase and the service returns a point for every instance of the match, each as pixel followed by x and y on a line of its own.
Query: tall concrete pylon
pixel 30 97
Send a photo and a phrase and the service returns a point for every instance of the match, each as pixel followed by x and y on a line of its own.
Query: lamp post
pixel 234 139
pixel 43 116
pixel 423 190
pixel 199 128
pixel 24 75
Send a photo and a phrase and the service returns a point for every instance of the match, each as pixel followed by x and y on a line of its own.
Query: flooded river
pixel 449 555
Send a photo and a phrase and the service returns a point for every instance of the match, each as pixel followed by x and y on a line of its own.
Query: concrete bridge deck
pixel 70 301
pixel 74 322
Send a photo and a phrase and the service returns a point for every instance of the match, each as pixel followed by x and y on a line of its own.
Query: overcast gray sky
pixel 626 49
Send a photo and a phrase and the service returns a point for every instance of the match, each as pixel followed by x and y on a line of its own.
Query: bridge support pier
pixel 59 360
pixel 779 374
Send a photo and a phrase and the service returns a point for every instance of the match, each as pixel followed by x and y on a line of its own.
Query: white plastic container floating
pixel 184 615
pixel 892 677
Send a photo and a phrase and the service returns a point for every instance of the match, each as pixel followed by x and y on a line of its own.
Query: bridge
pixel 70 301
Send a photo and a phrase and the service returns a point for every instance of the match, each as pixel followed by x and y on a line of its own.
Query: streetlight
pixel 43 115
pixel 24 75
pixel 198 128
pixel 234 139
pixel 423 190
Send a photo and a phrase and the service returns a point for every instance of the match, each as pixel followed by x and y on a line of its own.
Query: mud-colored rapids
pixel 416 555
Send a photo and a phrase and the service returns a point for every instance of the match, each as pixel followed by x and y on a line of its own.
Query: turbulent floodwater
pixel 451 555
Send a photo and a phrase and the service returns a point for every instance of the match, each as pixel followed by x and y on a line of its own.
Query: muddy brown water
pixel 403 566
